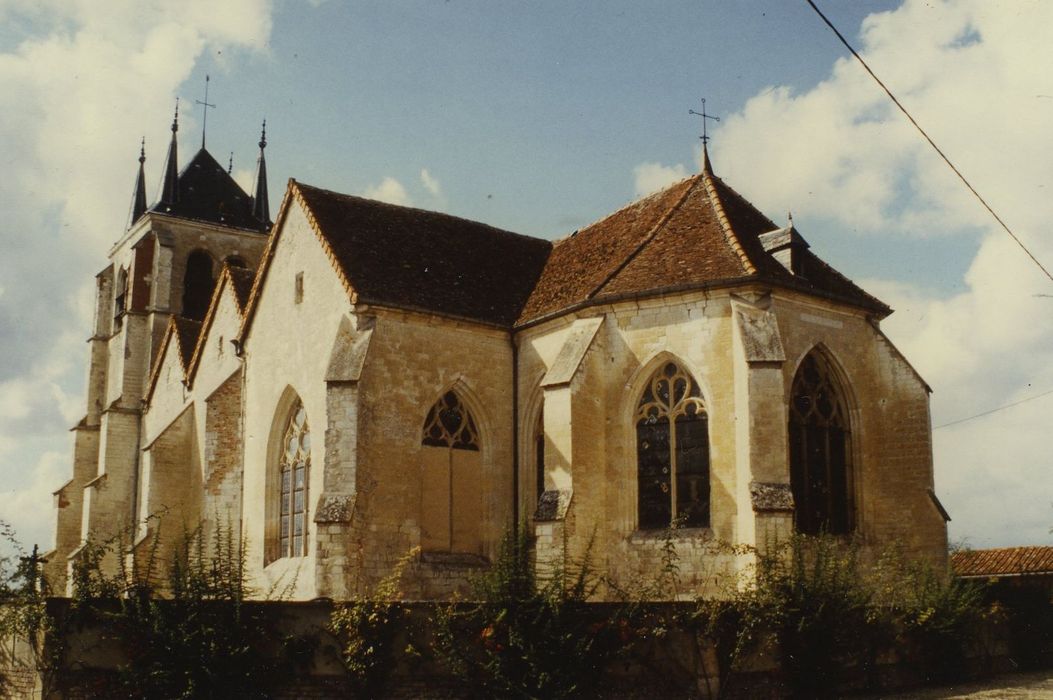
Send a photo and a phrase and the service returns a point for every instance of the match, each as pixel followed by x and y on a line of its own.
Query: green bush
pixel 188 634
pixel 530 637
pixel 367 630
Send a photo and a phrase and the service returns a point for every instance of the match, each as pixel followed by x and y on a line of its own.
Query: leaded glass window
pixel 294 472
pixel 672 451
pixel 820 450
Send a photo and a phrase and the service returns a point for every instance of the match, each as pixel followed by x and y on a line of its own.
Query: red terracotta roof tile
pixel 697 233
pixel 582 263
pixel 1007 561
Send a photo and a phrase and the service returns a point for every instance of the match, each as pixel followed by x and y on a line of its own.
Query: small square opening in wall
pixel 298 292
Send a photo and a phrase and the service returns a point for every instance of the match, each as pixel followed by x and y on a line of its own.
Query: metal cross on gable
pixel 204 108
pixel 704 136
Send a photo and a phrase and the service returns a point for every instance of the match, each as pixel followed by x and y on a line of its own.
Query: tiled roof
pixel 187 332
pixel 1007 561
pixel 207 192
pixel 411 258
pixel 241 280
pixel 697 233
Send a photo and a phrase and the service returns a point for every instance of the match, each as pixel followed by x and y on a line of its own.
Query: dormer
pixel 787 246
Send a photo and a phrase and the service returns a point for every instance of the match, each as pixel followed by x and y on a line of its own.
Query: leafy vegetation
pixel 533 637
pixel 367 630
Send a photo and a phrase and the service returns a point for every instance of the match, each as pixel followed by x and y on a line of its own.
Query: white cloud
pixel 652 177
pixel 841 156
pixel 26 504
pixel 72 91
pixel 430 183
pixel 389 190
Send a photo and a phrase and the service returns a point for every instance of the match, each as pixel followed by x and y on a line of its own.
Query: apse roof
pixel 697 233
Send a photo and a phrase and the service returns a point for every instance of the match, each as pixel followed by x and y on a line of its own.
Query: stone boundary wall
pixel 677 665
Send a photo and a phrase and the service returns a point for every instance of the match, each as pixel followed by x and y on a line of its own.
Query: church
pixel 358 382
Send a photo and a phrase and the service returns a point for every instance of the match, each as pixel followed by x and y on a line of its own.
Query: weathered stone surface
pixel 759 332
pixel 769 498
pixel 334 508
pixel 572 352
pixel 553 505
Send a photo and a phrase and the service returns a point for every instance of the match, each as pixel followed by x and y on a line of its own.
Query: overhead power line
pixel 931 142
pixel 995 410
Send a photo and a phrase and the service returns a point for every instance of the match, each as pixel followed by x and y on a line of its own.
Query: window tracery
pixel 820 450
pixel 294 471
pixel 449 424
pixel 672 450
pixel 451 472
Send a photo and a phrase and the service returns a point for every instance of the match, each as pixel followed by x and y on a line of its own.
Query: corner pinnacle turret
pixel 139 196
pixel 170 184
pixel 260 205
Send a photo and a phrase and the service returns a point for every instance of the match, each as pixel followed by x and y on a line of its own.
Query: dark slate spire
pixel 139 198
pixel 260 206
pixel 170 185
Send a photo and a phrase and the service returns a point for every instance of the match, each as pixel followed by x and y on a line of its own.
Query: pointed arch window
pixel 820 450
pixel 294 466
pixel 451 494
pixel 198 284
pixel 672 451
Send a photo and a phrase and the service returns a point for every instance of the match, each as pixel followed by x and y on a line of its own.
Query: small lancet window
pixel 298 288
pixel 672 451
pixel 120 301
pixel 820 450
pixel 293 473
pixel 451 488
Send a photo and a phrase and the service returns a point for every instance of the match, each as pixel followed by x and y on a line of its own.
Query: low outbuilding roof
pixel 1005 561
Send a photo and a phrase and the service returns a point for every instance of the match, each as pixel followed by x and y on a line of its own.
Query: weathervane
pixel 704 136
pixel 205 105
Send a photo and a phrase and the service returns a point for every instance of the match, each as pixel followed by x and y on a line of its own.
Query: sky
pixel 540 118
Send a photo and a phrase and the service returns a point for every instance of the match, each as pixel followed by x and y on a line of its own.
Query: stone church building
pixel 359 380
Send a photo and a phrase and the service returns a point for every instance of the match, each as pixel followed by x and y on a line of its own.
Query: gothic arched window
pixel 672 452
pixel 820 450
pixel 294 470
pixel 451 498
pixel 197 285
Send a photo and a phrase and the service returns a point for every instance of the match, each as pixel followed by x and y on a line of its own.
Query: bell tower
pixel 164 265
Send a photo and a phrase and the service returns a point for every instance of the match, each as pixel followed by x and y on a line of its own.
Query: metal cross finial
pixel 204 108
pixel 142 151
pixel 230 164
pixel 175 118
pixel 704 136
pixel 263 135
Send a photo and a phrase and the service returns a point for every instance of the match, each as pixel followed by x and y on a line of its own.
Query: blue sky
pixel 540 118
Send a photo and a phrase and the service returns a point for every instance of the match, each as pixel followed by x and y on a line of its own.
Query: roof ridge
pixel 633 203
pixel 729 233
pixel 662 221
pixel 429 212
